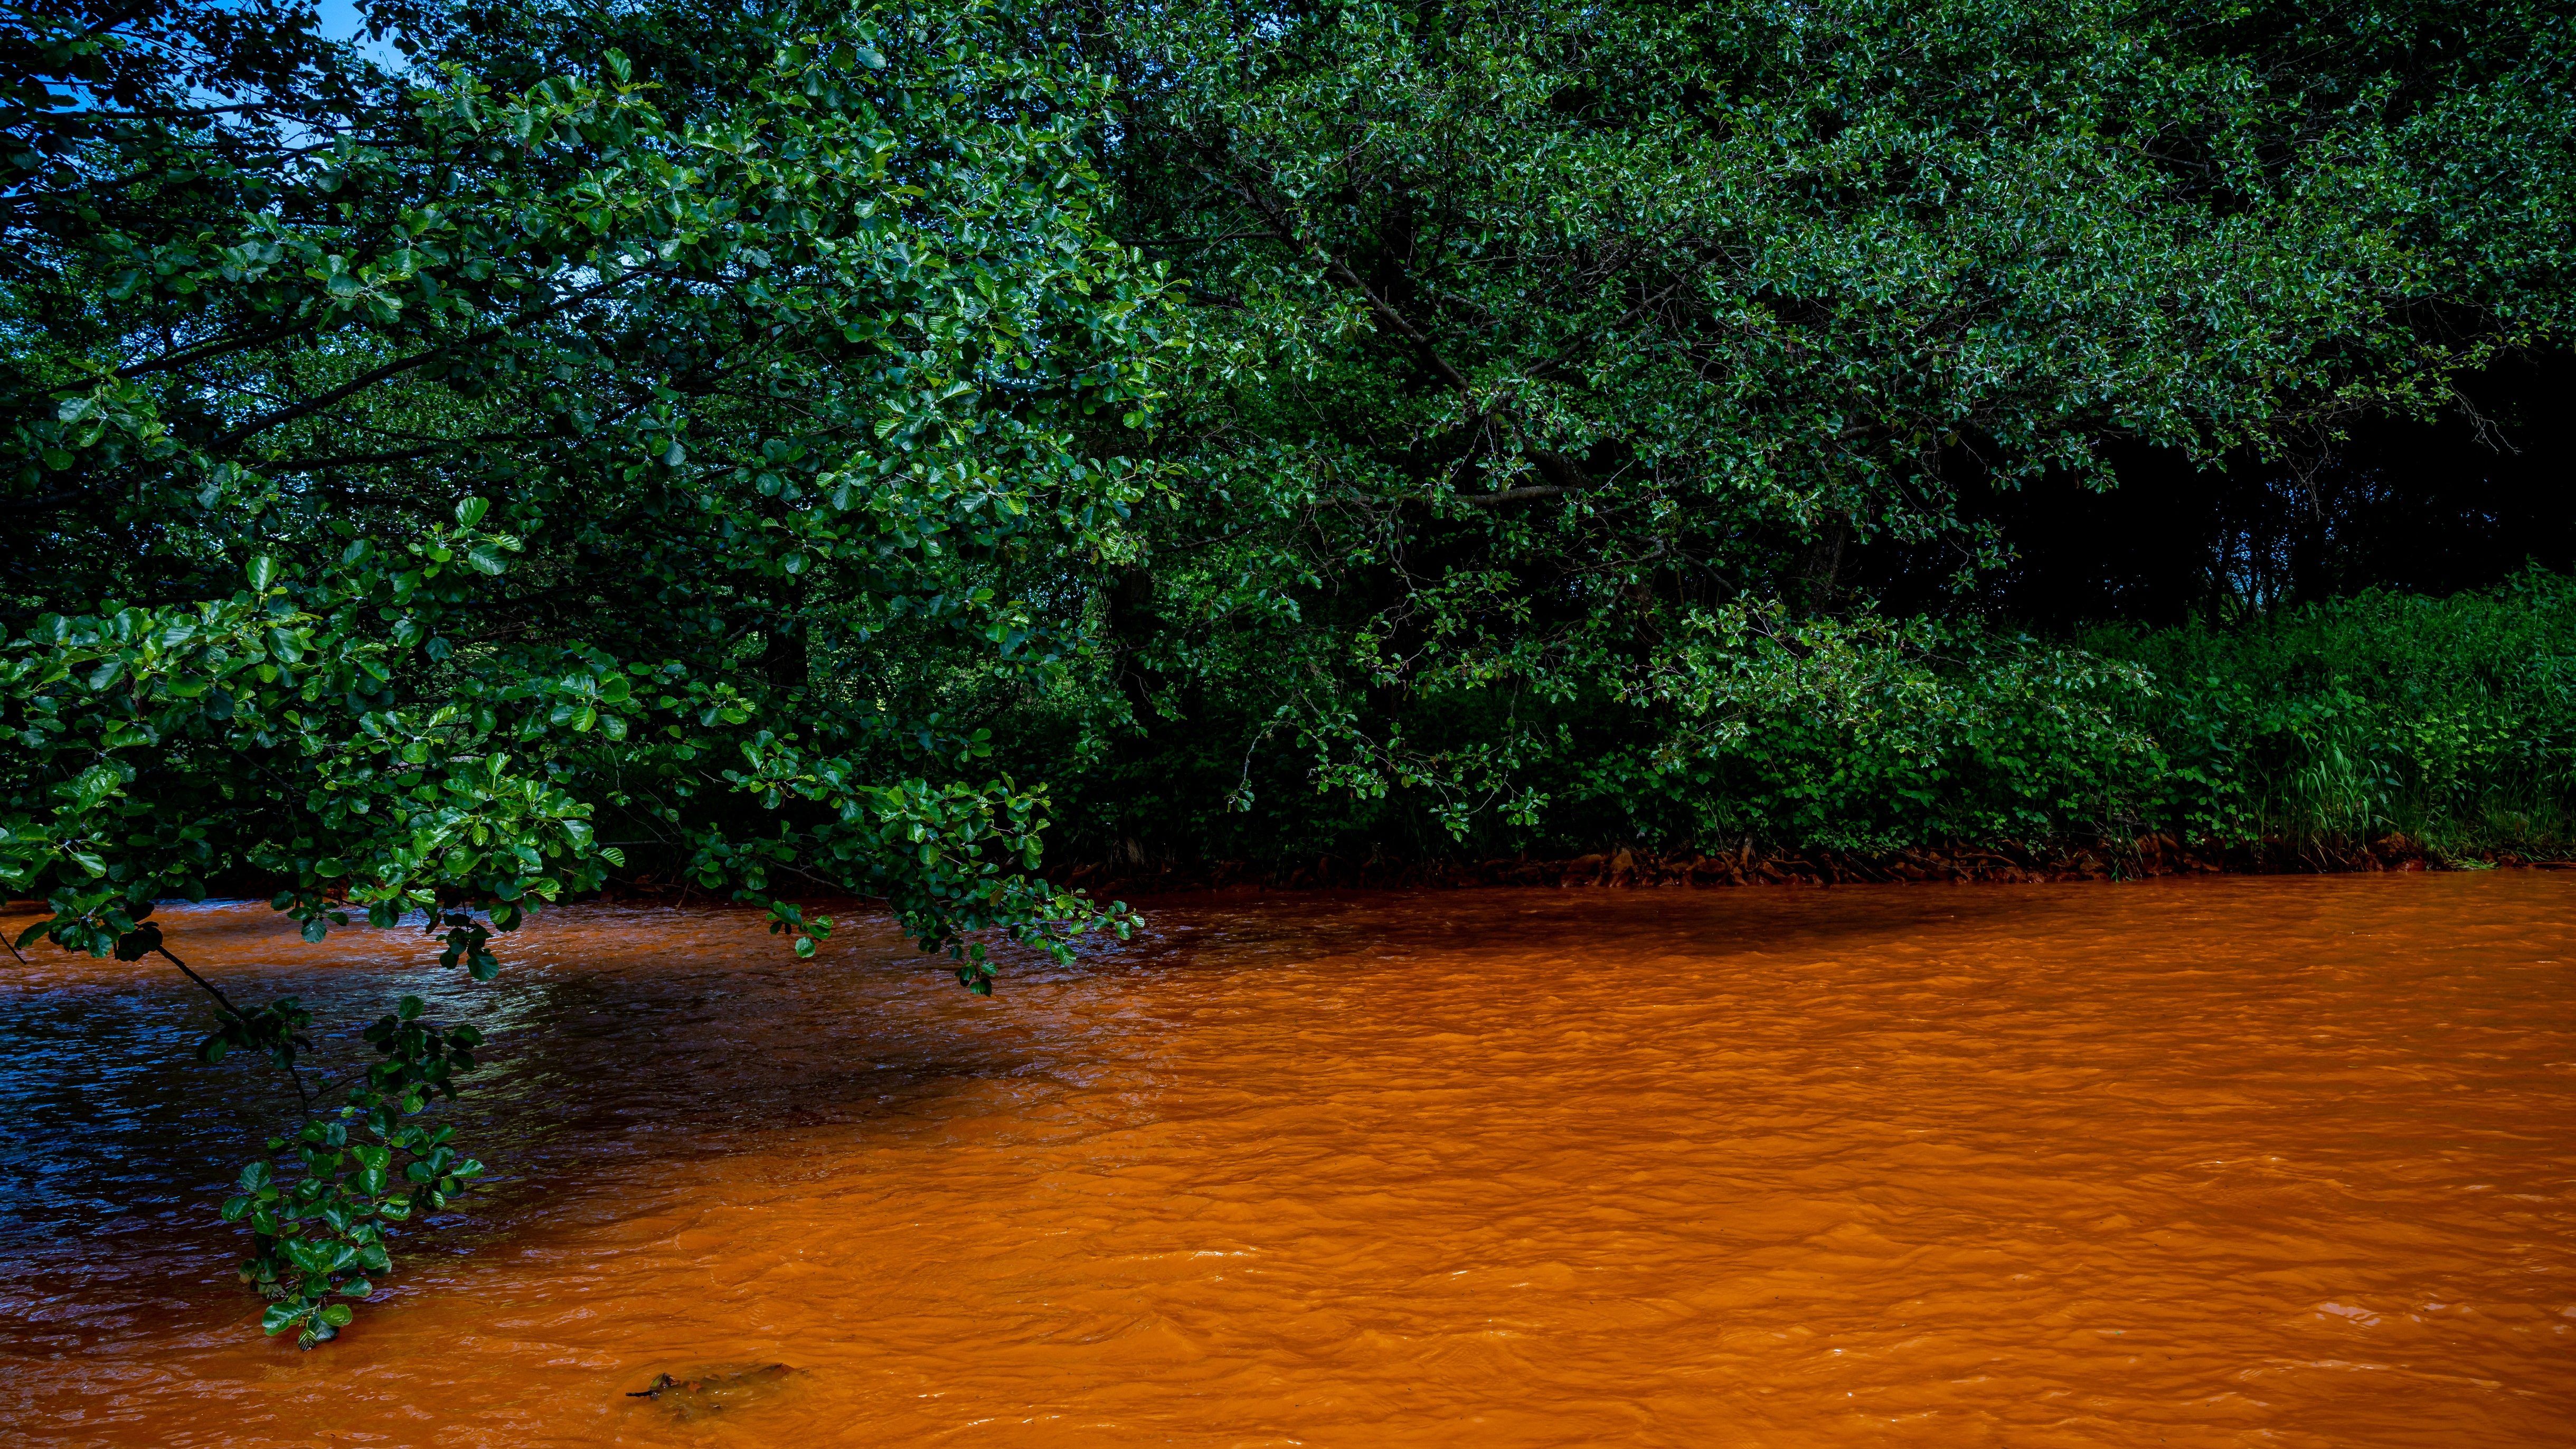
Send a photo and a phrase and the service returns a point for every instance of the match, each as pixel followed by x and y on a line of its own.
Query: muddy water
pixel 2231 1162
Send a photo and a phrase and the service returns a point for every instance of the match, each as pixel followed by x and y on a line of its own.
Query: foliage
pixel 2452 721
pixel 411 475
pixel 2320 726
pixel 318 1236
pixel 1540 341
pixel 2317 727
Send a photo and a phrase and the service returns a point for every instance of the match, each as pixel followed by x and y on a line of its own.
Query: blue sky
pixel 340 21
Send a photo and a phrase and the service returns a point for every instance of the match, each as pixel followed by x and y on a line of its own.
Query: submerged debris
pixel 708 1391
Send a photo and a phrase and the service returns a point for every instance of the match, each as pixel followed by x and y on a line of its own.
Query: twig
pixel 293 1073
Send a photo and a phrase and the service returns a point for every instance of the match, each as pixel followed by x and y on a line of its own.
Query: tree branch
pixel 217 348
pixel 1512 495
pixel 1286 230
pixel 399 366
pixel 237 1014
pixel 1565 470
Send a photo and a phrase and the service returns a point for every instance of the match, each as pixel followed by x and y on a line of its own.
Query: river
pixel 2224 1161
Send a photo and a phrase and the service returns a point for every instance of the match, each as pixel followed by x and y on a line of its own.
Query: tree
pixel 1560 359
pixel 409 474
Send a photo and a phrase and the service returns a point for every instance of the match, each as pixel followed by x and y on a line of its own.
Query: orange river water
pixel 2280 1162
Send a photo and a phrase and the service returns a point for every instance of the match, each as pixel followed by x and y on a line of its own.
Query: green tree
pixel 1550 348
pixel 409 476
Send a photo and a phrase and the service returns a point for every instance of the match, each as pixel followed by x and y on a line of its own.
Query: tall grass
pixel 2449 720
pixel 2310 731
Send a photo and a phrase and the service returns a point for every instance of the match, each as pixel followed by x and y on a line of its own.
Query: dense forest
pixel 1843 426
pixel 910 451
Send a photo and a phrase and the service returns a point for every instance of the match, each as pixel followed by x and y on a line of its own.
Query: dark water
pixel 2214 1162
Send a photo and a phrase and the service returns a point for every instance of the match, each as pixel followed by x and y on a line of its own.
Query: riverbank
pixel 2003 863
pixel 2011 863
